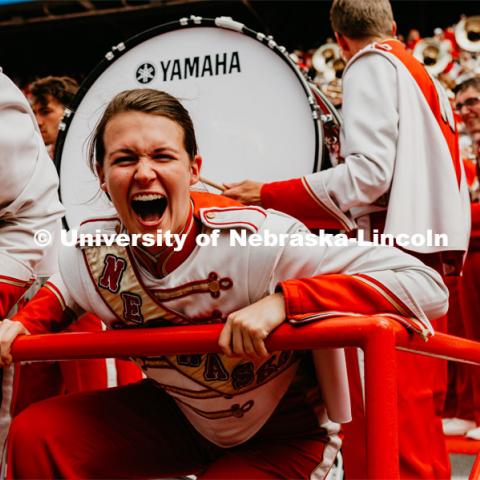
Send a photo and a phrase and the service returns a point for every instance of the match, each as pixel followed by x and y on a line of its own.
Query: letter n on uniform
pixel 112 273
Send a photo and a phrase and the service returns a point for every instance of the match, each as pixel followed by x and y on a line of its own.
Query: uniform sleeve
pixel 321 281
pixel 295 198
pixel 52 309
pixel 368 145
pixel 28 195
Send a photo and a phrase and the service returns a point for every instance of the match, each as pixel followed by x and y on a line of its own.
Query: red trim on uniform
pixel 207 200
pixel 388 292
pixel 232 209
pixel 59 293
pixel 426 85
pixel 7 279
pixel 10 294
pixel 335 292
pixel 226 224
pixel 44 313
pixel 291 197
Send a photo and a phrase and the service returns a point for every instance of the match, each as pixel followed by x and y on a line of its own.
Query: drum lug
pixel 194 19
pixel 315 108
pixel 116 48
pixel 228 22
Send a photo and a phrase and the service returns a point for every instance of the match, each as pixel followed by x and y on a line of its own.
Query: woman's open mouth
pixel 149 207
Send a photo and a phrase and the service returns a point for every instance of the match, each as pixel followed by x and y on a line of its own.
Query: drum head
pixel 251 108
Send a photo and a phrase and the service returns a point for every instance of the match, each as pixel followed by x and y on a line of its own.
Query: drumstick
pixel 212 184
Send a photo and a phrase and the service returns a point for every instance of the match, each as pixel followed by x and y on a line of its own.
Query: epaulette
pixel 250 218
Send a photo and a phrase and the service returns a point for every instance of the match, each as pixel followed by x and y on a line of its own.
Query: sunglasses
pixel 469 102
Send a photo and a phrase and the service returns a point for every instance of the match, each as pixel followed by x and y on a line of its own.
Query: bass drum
pixel 255 114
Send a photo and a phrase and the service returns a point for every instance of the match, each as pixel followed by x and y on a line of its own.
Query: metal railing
pixel 378 337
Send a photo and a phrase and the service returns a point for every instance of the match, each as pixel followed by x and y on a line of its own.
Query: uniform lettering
pixel 189 360
pixel 267 369
pixel 243 375
pixel 112 273
pixel 131 307
pixel 284 356
pixel 214 369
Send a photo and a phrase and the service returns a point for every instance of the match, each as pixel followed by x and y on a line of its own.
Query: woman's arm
pixel 51 310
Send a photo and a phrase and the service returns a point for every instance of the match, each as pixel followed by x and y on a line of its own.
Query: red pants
pixel 137 431
pixel 460 396
pixel 470 305
pixel 36 381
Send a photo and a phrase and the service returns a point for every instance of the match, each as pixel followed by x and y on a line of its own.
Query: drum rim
pixel 121 48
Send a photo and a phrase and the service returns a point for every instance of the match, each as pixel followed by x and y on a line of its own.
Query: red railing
pixel 377 336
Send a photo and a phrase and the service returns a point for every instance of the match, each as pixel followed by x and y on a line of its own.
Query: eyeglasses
pixel 469 102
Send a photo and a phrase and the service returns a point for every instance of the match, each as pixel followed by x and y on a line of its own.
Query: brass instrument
pixel 323 60
pixel 467 34
pixel 434 54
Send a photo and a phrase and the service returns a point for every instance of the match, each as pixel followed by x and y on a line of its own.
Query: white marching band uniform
pixel 28 196
pixel 216 280
pixel 372 171
pixel 28 203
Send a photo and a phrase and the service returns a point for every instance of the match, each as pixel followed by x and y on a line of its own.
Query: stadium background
pixel 69 37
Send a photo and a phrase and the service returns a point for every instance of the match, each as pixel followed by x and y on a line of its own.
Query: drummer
pixel 246 412
pixel 400 173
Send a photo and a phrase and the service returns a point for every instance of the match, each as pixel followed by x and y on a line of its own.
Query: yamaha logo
pixel 145 73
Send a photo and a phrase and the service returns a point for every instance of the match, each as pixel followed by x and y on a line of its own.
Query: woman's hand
pixel 246 329
pixel 9 331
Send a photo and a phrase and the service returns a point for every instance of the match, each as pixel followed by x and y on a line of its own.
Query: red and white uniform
pixel 231 402
pixel 401 173
pixel 400 156
pixel 28 203
pixel 28 198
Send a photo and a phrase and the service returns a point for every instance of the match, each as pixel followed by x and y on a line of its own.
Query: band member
pixel 468 106
pixel 244 413
pixel 28 204
pixel 49 97
pixel 401 174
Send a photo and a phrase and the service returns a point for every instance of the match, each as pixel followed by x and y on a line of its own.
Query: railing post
pixel 381 402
